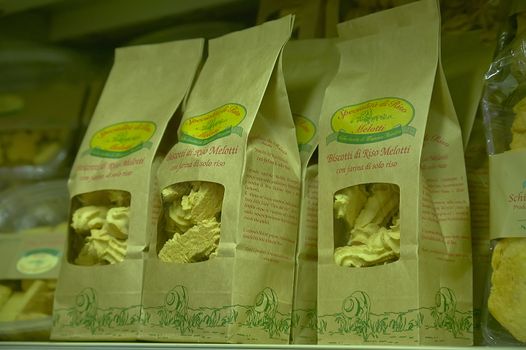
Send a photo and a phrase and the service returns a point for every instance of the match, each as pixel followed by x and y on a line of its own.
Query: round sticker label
pixel 121 139
pixel 372 121
pixel 38 261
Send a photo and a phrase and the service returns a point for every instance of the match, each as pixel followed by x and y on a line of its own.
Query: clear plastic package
pixel 34 206
pixel 25 309
pixel 503 105
pixel 41 98
pixel 30 257
pixel 26 330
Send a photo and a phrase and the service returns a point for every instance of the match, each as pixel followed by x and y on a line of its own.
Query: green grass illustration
pixel 322 326
pixel 264 314
pixel 86 313
pixel 304 319
pixel 446 316
pixel 296 317
pixel 176 313
pixel 357 318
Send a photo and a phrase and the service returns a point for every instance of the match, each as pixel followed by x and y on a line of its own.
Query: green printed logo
pixel 357 317
pixel 122 139
pixel 218 123
pixel 372 121
pixel 305 131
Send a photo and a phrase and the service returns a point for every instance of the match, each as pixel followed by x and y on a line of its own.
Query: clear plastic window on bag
pixel 99 226
pixel 504 108
pixel 367 225
pixel 190 226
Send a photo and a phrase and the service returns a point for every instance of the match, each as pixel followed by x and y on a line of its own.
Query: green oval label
pixel 220 122
pixel 38 261
pixel 122 139
pixel 373 121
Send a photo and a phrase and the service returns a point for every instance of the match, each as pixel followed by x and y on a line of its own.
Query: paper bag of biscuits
pixel 221 267
pixel 466 58
pixel 308 66
pixel 394 244
pixel 113 206
pixel 477 173
pixel 29 266
pixel 504 109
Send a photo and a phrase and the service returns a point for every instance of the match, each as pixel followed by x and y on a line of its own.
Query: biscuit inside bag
pixel 191 224
pixel 367 225
pixel 99 227
pixel 518 128
pixel 507 299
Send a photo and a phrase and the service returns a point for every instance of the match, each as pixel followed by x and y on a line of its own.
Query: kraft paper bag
pixel 221 266
pixel 477 172
pixel 113 206
pixel 466 58
pixel 395 250
pixel 308 67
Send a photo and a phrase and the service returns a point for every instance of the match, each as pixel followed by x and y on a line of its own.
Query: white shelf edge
pixel 193 346
pixel 96 17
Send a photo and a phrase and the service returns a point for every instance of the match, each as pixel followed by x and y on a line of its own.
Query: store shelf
pixel 8 7
pixel 112 15
pixel 90 23
pixel 74 20
pixel 180 346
